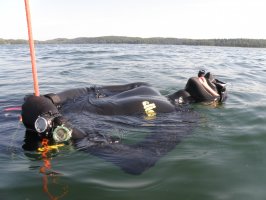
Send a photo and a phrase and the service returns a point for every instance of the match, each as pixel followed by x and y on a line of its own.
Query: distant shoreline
pixel 252 43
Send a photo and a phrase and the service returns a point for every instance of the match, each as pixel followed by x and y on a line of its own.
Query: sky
pixel 195 19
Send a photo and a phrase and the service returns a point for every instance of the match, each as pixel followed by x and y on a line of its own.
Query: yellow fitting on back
pixel 149 108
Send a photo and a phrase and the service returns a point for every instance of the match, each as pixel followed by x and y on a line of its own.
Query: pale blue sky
pixel 197 19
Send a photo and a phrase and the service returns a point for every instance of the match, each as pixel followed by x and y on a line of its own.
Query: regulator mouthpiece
pixel 62 134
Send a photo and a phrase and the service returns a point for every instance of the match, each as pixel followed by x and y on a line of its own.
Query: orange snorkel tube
pixel 45 147
pixel 32 50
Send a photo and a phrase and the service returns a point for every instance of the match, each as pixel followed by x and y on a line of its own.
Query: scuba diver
pixel 53 116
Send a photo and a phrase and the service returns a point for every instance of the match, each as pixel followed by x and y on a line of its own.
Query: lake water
pixel 223 158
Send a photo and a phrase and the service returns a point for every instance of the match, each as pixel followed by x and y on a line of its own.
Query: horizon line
pixel 239 38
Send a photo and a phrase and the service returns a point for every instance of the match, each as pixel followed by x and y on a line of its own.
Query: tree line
pixel 256 43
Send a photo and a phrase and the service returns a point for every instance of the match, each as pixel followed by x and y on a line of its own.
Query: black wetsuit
pixel 110 101
pixel 117 100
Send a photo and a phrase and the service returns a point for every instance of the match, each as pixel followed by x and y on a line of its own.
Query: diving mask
pixel 43 124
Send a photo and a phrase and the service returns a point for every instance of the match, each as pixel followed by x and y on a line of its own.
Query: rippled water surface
pixel 222 158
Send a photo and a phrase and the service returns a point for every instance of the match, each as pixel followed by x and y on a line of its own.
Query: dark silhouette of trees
pixel 257 43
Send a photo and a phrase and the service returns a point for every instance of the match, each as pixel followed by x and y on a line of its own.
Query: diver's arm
pixel 71 94
pixel 64 96
pixel 78 134
pixel 122 88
